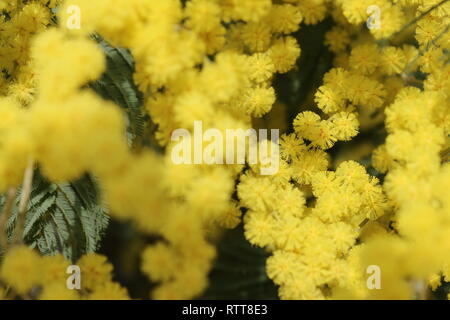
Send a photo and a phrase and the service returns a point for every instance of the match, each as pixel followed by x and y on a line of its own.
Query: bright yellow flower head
pixel 95 270
pixel 21 269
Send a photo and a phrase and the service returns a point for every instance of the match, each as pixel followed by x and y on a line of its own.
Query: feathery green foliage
pixel 62 218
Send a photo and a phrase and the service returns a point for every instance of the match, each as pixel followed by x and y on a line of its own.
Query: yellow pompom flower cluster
pixel 29 275
pixel 416 183
pixel 309 245
pixel 191 67
pixel 392 17
pixel 167 40
pixel 352 98
pixel 323 220
pixel 26 20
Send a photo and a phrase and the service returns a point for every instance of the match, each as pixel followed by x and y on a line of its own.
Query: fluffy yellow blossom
pixel 392 60
pixel 95 269
pixel 247 10
pixel 345 125
pixel 285 18
pixel 58 291
pixel 363 58
pixel 54 270
pixel 21 268
pixel 109 291
pixel 16 145
pixel 258 101
pixel 284 53
pixel 308 163
pixel 261 67
pixel 329 99
pixel 191 107
pixel 313 11
pixel 362 176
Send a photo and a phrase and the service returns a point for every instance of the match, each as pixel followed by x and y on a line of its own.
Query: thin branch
pixel 428 47
pixel 23 204
pixel 415 20
pixel 363 223
pixel 6 212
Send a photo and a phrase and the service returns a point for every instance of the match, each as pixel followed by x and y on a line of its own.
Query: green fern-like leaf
pixel 62 218
pixel 116 84
pixel 67 217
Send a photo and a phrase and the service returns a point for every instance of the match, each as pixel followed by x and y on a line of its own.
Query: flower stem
pixel 6 212
pixel 24 197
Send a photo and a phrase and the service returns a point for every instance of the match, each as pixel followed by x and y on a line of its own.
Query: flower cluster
pixel 29 275
pixel 189 67
pixel 329 211
pixel 323 249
